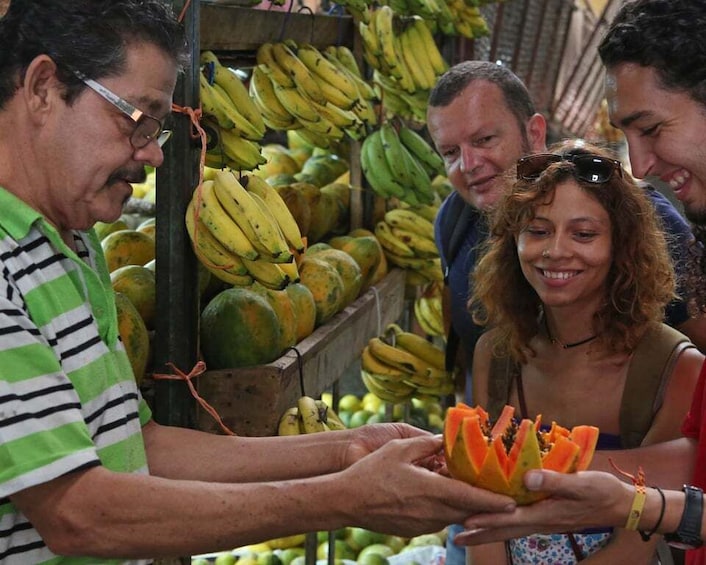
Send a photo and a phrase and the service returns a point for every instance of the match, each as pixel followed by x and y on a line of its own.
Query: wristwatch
pixel 688 534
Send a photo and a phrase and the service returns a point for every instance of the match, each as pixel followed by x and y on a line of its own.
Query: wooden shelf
pixel 234 28
pixel 251 400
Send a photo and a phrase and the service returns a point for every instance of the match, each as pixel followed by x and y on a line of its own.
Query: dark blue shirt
pixel 676 228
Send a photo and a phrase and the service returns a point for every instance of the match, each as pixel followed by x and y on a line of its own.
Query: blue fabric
pixel 675 226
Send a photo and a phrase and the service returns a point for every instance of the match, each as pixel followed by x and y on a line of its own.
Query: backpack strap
pixel 648 375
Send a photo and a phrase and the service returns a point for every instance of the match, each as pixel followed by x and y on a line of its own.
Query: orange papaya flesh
pixel 586 437
pixel 496 458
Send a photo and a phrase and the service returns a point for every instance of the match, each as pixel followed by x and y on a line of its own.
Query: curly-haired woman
pixel 573 283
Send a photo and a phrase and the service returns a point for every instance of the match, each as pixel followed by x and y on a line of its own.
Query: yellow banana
pixel 421 246
pixel 263 234
pixel 372 51
pixel 327 71
pixel 208 249
pixel 220 224
pixel 373 365
pixel 418 346
pixel 309 420
pixel 336 97
pixel 383 17
pixel 423 77
pixel 401 392
pixel 266 60
pixel 286 256
pixel 289 422
pixel 237 92
pixel 266 273
pixel 426 211
pixel 213 105
pixel 322 126
pixel 397 357
pixel 296 104
pixel 390 242
pixel 263 92
pixel 337 116
pixel 408 220
pixel 405 78
pixel 363 88
pixel 346 57
pixel 304 81
pixel 242 124
pixel 285 220
pixel 423 35
pixel 424 318
pixel 245 153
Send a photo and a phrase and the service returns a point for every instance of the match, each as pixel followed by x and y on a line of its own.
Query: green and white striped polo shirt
pixel 68 399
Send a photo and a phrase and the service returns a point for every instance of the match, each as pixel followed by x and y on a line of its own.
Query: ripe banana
pixel 263 233
pixel 237 93
pixel 219 223
pixel 329 417
pixel 394 393
pixel 304 81
pixel 327 71
pixel 426 318
pixel 391 243
pixel 422 247
pixel 396 357
pixel 246 154
pixel 213 105
pixel 289 422
pixel 275 203
pixel 208 249
pixel 408 220
pixel 267 274
pixel 263 93
pixel 418 346
pixel 422 34
pixel 266 60
pixel 422 76
pixel 371 364
pixel 383 18
pixel 309 420
pixel 296 103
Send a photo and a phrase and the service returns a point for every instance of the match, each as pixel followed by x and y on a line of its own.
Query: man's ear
pixel 537 133
pixel 41 87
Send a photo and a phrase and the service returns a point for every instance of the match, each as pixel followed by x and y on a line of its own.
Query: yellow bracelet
pixel 638 504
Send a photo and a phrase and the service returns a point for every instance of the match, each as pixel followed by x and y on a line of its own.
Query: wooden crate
pixel 251 400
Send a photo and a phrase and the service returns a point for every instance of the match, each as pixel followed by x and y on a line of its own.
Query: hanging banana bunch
pixel 398 162
pixel 241 230
pixel 321 94
pixel 233 124
pixel 399 365
pixel 309 416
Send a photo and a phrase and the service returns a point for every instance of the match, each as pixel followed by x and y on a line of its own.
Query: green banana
pixel 376 169
pixel 422 151
pixel 393 149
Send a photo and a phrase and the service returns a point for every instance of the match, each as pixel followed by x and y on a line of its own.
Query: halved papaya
pixel 497 457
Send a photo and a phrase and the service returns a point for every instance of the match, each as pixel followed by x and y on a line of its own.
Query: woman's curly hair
pixel 640 281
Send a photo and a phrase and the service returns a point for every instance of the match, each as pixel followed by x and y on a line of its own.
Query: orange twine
pixel 198 370
pixel 638 481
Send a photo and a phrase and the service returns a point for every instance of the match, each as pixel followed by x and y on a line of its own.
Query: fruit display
pixel 320 93
pixel 398 162
pixel 428 310
pixel 400 364
pixel 407 237
pixel 495 456
pixel 309 416
pixel 234 125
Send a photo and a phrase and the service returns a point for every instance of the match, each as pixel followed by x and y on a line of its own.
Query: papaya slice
pixel 497 457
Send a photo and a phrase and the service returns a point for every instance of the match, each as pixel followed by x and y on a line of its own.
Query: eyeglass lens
pixel 148 129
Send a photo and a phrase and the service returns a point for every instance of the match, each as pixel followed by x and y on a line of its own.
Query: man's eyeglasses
pixel 147 128
pixel 588 167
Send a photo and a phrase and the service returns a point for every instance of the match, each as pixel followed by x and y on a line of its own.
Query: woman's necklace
pixel 563 345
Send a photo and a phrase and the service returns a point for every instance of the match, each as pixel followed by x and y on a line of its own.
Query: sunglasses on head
pixel 587 166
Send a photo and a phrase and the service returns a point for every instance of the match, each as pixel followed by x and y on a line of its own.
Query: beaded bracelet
pixel 647 535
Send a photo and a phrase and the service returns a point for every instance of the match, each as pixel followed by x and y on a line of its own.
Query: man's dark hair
pixel 666 35
pixel 457 78
pixel 90 36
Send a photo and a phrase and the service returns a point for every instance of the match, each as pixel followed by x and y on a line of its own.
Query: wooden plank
pixel 233 28
pixel 251 400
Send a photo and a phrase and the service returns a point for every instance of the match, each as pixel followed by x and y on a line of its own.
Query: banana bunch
pixel 399 365
pixel 467 19
pixel 241 230
pixel 321 94
pixel 307 417
pixel 398 162
pixel 428 311
pixel 403 49
pixel 233 124
pixel 397 102
pixel 407 238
